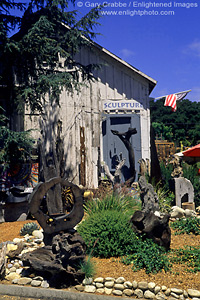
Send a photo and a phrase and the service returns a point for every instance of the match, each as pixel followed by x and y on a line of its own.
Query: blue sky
pixel 165 47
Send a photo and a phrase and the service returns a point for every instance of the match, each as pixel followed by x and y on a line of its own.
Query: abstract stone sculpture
pixel 154 227
pixel 184 191
pixel 150 202
pixel 148 221
pixel 59 260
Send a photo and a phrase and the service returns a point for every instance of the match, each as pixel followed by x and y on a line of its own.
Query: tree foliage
pixel 43 52
pixel 162 130
pixel 15 147
pixel 182 125
pixel 8 21
pixel 40 60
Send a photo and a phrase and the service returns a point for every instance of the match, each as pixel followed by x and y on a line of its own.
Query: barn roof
pixel 152 82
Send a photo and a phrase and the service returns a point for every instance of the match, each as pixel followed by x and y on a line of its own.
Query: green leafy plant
pixel 107 224
pixel 168 202
pixel 188 225
pixel 14 146
pixel 124 204
pixel 113 231
pixel 189 256
pixel 28 228
pixel 149 256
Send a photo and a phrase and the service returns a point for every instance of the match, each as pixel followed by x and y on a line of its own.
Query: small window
pixel 120 120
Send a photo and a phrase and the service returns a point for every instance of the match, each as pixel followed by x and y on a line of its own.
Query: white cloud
pixel 193 48
pixel 126 53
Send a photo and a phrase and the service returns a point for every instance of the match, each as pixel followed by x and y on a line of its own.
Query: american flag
pixel 170 100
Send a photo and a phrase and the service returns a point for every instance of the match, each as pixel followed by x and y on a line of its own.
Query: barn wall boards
pixel 117 98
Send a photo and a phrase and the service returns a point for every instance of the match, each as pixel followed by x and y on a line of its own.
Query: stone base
pixel 188 205
pixel 60 261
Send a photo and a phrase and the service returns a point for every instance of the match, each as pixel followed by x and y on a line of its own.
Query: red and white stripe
pixel 170 100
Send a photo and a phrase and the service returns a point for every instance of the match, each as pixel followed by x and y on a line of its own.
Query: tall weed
pixel 124 204
pixel 166 198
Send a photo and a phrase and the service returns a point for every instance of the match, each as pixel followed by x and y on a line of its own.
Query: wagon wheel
pixel 63 222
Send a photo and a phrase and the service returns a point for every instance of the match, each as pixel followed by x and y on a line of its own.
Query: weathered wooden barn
pixel 117 99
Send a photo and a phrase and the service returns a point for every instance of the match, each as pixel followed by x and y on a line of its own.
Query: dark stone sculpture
pixel 148 221
pixel 150 202
pixel 59 260
pixel 153 227
pixel 144 168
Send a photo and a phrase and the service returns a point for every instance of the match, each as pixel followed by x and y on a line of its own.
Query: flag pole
pixel 172 93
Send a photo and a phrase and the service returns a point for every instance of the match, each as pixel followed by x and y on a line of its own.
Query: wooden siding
pixel 83 111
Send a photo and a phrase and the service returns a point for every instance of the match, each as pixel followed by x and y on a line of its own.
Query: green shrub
pixel 189 225
pixel 148 256
pixel 125 204
pixel 28 228
pixel 108 234
pixel 111 232
pixel 189 256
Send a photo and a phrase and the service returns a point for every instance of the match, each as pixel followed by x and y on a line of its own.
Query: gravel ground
pixel 178 277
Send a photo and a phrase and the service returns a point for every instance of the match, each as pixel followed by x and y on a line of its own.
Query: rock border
pixel 102 286
pixel 141 289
